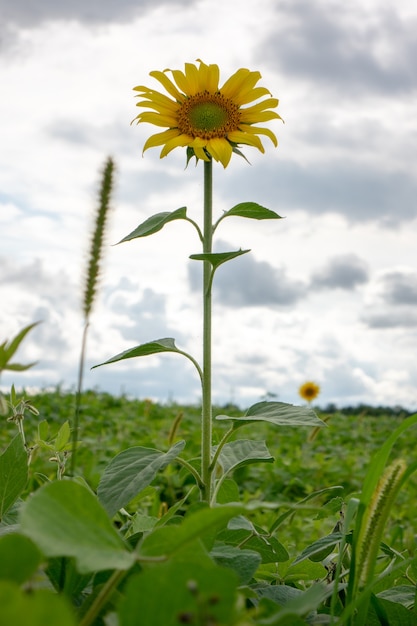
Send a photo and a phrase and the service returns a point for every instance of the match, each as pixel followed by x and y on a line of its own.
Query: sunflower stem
pixel 206 411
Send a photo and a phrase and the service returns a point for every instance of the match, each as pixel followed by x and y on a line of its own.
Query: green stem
pixel 103 597
pixel 206 413
pixel 78 398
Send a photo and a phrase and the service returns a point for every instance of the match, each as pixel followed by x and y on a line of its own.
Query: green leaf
pixel 402 594
pixel 130 472
pixel 37 608
pixel 62 437
pixel 152 347
pixel 253 211
pixel 387 612
pixel 7 350
pixel 228 492
pixel 64 518
pixel 243 562
pixel 179 593
pixel 19 558
pixel 243 452
pixel 43 430
pixel 155 223
pixel 170 539
pixel 321 548
pixel 13 473
pixel 241 531
pixel 277 413
pixel 218 258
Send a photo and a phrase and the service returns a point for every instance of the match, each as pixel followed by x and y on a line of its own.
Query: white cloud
pixel 343 177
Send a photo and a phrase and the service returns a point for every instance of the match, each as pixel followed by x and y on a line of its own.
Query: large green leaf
pixel 37 608
pixel 155 223
pixel 277 413
pixel 217 258
pixel 180 592
pixel 19 558
pixel 243 452
pixel 206 521
pixel 13 473
pixel 131 471
pixel 145 349
pixel 243 562
pixel 64 518
pixel 253 211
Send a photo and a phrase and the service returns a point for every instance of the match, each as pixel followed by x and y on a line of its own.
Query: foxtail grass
pixel 91 286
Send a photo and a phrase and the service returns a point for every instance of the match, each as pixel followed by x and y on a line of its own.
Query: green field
pixel 301 495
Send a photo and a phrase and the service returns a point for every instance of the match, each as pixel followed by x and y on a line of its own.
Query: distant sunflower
pixel 309 391
pixel 211 122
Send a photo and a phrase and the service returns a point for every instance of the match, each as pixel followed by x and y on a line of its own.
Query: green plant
pixel 204 529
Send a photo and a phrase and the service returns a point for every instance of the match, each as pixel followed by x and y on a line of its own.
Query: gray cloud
pixel 246 282
pixel 400 287
pixel 397 301
pixel 146 316
pixel 346 271
pixel 27 13
pixel 398 318
pixel 360 194
pixel 343 46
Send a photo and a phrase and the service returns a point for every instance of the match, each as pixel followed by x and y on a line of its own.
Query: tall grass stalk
pixel 90 287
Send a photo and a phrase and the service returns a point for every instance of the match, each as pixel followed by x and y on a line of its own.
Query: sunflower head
pixel 309 391
pixel 210 121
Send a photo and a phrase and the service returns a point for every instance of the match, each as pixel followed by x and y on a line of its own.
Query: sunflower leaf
pixel 217 258
pixel 152 347
pixel 277 413
pixel 155 223
pixel 252 210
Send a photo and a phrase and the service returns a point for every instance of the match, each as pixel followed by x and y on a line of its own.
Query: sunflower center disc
pixel 208 115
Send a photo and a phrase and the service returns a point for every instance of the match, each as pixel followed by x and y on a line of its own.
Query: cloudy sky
pixel 327 294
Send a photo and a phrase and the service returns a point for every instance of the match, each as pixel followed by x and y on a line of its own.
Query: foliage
pixel 256 558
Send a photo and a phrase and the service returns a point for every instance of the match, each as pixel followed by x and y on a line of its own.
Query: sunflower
pixel 210 121
pixel 309 391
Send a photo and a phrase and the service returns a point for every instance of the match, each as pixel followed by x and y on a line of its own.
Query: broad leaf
pixel 253 211
pixel 243 452
pixel 243 562
pixel 64 518
pixel 130 472
pixel 19 558
pixel 277 413
pixel 170 539
pixel 13 473
pixel 155 223
pixel 217 258
pixel 173 593
pixel 321 548
pixel 37 608
pixel 145 349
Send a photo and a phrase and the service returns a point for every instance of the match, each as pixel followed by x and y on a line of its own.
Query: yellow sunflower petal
pixel 160 138
pixel 208 76
pixel 256 130
pixel 241 82
pixel 180 141
pixel 168 84
pixel 186 82
pixel 238 137
pixel 253 94
pixel 262 116
pixel 157 119
pixel 220 149
pixel 200 154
